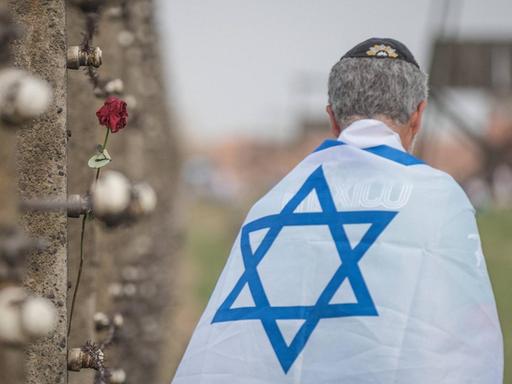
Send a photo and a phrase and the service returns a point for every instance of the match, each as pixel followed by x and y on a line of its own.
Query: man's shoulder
pixel 443 186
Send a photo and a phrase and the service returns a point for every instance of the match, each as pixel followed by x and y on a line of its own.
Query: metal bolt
pixel 88 356
pixel 78 359
pixel 78 57
pixel 75 205
pixel 75 356
pixel 78 205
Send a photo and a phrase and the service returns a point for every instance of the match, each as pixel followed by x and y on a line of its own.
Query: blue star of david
pixel 348 269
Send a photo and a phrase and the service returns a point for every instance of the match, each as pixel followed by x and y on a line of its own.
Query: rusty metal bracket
pixel 79 57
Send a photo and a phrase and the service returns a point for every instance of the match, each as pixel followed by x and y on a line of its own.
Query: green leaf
pixel 107 155
pixel 99 160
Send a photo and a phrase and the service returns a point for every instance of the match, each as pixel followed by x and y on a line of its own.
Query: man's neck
pixel 366 133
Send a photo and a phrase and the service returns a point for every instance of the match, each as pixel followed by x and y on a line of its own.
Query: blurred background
pixel 247 84
pixel 224 98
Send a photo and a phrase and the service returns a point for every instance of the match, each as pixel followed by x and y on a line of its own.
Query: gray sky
pixel 235 66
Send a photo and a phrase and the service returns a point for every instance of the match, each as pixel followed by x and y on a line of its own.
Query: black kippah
pixel 382 48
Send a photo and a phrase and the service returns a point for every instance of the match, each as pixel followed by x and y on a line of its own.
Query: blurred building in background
pixel 477 152
pixel 475 75
pixel 251 88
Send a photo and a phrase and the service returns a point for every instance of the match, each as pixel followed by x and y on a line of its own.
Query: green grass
pixel 496 234
pixel 212 229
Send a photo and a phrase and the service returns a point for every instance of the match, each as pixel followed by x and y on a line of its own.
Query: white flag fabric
pixel 362 265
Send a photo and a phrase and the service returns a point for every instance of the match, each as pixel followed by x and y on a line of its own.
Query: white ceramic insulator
pixel 129 289
pixel 146 196
pixel 110 194
pixel 114 86
pixel 117 376
pixel 125 38
pixel 118 320
pixel 11 330
pixel 101 319
pixel 115 12
pixel 131 102
pixel 22 95
pixel 38 317
pixel 23 317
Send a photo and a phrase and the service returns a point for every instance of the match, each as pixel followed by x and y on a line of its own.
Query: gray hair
pixel 368 87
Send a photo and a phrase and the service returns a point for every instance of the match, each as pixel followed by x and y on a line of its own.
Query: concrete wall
pixel 57 145
pixel 84 135
pixel 142 255
pixel 41 170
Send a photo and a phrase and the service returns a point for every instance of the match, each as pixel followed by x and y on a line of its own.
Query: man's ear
pixel 335 128
pixel 417 117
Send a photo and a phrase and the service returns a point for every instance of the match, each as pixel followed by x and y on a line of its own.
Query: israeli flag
pixel 363 265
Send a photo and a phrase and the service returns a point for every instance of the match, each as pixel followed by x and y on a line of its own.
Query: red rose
pixel 113 114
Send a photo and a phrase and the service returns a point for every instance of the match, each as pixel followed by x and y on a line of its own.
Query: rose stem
pixel 82 234
pixel 103 148
pixel 77 284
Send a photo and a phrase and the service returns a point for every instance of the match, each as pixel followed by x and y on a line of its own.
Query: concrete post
pixel 11 358
pixel 41 168
pixel 85 134
pixel 140 258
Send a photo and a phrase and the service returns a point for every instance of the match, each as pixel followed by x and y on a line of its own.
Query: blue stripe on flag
pixel 384 151
pixel 328 144
pixel 394 154
pixel 348 269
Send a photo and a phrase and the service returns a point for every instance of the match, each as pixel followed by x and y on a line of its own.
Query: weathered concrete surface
pixel 11 358
pixel 8 191
pixel 85 134
pixel 41 168
pixel 141 256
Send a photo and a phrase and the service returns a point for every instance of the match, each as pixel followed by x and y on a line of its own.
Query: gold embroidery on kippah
pixel 382 50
